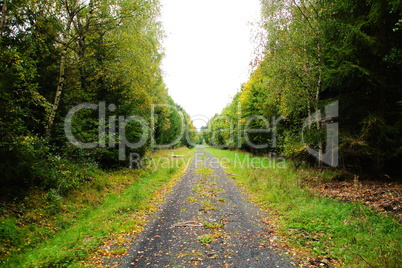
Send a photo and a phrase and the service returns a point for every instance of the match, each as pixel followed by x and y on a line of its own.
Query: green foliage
pixel 322 227
pixel 83 52
pixel 9 231
pixel 317 52
pixel 53 59
pixel 174 127
pixel 205 239
pixel 60 231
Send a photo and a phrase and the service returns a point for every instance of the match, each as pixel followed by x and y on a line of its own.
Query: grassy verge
pixel 61 232
pixel 318 227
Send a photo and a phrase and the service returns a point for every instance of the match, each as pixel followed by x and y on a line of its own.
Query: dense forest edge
pixel 81 96
pixel 346 54
pixel 104 55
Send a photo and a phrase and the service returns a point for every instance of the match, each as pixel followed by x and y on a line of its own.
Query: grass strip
pixel 316 226
pixel 124 200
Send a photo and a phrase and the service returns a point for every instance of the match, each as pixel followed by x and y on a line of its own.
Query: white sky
pixel 208 49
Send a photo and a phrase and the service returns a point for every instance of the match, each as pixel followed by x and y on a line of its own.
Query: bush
pixel 24 162
pixel 29 162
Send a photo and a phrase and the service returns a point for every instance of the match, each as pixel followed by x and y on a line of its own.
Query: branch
pixel 312 6
pixel 305 17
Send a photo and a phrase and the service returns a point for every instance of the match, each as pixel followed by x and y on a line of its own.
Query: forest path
pixel 205 222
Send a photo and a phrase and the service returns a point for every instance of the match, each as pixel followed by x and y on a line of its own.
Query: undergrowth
pixel 55 230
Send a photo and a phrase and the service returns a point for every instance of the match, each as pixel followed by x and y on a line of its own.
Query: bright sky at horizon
pixel 208 48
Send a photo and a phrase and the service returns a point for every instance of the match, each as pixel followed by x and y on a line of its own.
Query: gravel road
pixel 205 222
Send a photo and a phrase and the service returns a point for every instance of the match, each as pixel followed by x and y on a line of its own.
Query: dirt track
pixel 205 222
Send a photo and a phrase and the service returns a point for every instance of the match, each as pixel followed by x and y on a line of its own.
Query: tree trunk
pixel 60 86
pixel 82 31
pixel 317 99
pixel 3 17
pixel 63 57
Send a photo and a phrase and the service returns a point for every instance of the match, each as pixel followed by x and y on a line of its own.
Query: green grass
pixel 205 239
pixel 213 225
pixel 320 227
pixel 191 199
pixel 70 230
pixel 207 205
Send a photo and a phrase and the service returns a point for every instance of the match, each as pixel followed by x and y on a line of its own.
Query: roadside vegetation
pixel 91 221
pixel 58 200
pixel 321 229
pixel 326 81
pixel 314 54
pixel 101 53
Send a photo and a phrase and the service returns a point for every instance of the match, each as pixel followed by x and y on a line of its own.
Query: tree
pixel 321 51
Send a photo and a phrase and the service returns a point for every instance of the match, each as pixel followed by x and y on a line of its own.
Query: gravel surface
pixel 205 222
